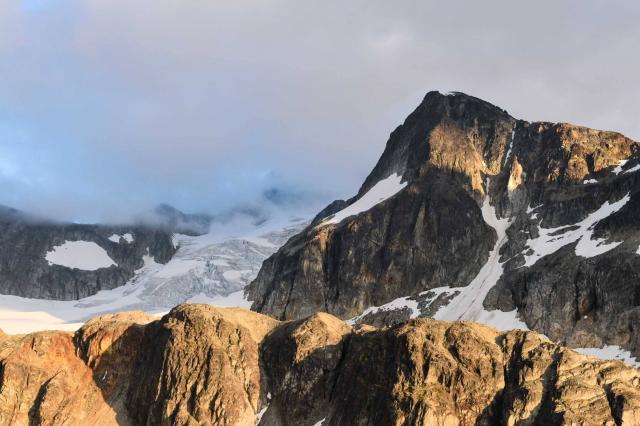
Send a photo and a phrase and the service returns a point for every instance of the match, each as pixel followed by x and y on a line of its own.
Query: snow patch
pixel 320 422
pixel 84 255
pixel 468 305
pixel 401 303
pixel 234 300
pixel 618 169
pixel 531 209
pixel 611 352
pixel 116 238
pixel 264 409
pixel 148 262
pixel 551 240
pixel 506 157
pixel 633 169
pixel 177 266
pixel 21 322
pixel 502 321
pixel 195 274
pixel 261 413
pixel 589 181
pixel 235 275
pixel 381 191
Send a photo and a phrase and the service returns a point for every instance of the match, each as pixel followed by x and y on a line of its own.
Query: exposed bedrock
pixel 25 242
pixel 569 262
pixel 205 365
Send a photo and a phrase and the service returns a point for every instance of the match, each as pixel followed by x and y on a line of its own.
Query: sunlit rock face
pixel 529 224
pixel 228 366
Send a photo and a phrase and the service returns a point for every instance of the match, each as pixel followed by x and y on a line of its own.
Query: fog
pixel 109 107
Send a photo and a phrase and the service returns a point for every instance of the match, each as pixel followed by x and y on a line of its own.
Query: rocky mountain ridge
pixel 205 365
pixel 535 220
pixel 38 259
pixel 211 268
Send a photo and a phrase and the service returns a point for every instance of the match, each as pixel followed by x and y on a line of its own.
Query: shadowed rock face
pixel 205 365
pixel 25 272
pixel 454 151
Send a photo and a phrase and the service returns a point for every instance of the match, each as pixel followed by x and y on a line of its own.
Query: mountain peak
pixel 455 101
pixel 455 132
pixel 470 208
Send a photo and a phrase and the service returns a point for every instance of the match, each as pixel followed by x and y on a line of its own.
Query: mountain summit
pixel 473 214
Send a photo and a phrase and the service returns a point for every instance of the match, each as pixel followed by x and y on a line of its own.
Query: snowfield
pixel 468 305
pixel 610 352
pixel 383 190
pixel 633 169
pixel 85 255
pixel 508 154
pixel 550 240
pixel 404 302
pixel 212 268
pixel 116 238
pixel 618 169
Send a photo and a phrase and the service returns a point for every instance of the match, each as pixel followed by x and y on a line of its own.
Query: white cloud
pixel 181 100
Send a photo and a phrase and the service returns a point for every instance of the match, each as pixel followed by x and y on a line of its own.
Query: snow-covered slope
pixel 212 268
pixel 384 189
pixel 550 240
pixel 466 303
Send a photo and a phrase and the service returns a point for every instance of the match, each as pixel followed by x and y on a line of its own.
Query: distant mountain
pixel 43 259
pixel 473 214
pixel 67 261
pixel 172 219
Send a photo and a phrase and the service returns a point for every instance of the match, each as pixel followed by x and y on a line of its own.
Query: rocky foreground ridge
pixel 206 365
pixel 493 215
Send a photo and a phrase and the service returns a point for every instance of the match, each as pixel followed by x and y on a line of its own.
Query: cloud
pixel 205 104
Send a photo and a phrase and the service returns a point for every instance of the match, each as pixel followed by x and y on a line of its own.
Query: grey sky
pixel 110 106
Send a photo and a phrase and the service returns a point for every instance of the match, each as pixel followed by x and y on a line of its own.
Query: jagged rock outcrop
pixel 565 196
pixel 204 368
pixel 205 365
pixel 55 378
pixel 25 242
pixel 388 251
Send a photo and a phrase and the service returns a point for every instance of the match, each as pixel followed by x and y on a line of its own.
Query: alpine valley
pixel 471 279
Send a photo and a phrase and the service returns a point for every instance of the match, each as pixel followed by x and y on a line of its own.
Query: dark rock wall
pixel 25 272
pixel 453 151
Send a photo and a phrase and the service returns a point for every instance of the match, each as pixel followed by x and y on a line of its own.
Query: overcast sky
pixel 110 106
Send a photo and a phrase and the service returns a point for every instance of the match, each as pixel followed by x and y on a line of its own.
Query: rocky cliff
pixel 205 365
pixel 27 244
pixel 489 214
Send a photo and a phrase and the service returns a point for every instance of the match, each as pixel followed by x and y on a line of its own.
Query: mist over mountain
pixel 205 105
